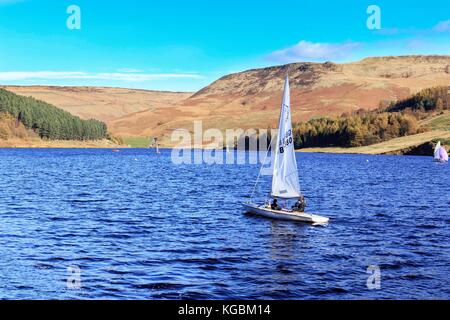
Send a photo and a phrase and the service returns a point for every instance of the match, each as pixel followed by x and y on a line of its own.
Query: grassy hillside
pixel 394 146
pixel 137 142
pixel 100 103
pixel 438 122
pixel 363 128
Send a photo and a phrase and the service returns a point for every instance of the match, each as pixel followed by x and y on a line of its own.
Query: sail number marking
pixel 286 141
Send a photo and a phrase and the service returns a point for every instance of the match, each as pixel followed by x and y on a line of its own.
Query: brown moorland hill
pixel 101 103
pixel 251 99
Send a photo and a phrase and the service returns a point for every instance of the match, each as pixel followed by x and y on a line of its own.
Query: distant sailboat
pixel 285 181
pixel 440 154
pixel 436 151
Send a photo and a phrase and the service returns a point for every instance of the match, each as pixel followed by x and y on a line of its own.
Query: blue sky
pixel 185 45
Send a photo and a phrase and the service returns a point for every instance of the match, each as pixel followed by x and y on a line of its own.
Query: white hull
pixel 284 214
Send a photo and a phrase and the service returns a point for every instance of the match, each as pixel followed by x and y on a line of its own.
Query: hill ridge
pixel 251 98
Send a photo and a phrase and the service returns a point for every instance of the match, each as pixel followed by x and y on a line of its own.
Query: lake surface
pixel 139 227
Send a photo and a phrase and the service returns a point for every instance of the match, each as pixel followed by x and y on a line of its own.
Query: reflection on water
pixel 282 240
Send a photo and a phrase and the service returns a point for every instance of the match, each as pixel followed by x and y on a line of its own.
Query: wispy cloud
pixel 443 26
pixel 440 27
pixel 129 70
pixel 314 51
pixel 396 31
pixel 79 75
pixel 431 40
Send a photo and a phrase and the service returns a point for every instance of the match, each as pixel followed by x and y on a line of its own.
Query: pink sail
pixel 443 156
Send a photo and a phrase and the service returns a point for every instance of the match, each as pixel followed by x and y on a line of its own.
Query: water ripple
pixel 148 229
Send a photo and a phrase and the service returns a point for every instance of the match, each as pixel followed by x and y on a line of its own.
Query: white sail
pixel 436 151
pixel 443 155
pixel 285 183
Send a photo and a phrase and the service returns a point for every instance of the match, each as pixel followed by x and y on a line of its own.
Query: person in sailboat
pixel 274 205
pixel 300 205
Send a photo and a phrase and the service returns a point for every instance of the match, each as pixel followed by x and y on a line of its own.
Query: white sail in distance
pixel 436 151
pixel 285 182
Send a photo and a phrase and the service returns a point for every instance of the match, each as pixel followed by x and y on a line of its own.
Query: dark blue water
pixel 139 227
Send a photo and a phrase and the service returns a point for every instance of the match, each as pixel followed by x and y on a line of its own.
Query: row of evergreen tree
pixel 427 100
pixel 364 128
pixel 49 121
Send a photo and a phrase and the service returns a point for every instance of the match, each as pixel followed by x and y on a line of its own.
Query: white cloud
pixel 310 51
pixel 129 70
pixel 443 26
pixel 416 44
pixel 79 75
pixel 397 31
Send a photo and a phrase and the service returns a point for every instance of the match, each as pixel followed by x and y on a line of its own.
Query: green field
pixel 441 122
pixel 392 145
pixel 444 141
pixel 137 142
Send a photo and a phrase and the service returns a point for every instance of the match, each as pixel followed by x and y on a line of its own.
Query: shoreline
pixel 394 146
pixel 57 144
pixel 397 146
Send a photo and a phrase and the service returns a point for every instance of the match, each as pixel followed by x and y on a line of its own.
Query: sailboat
pixel 440 154
pixel 285 180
